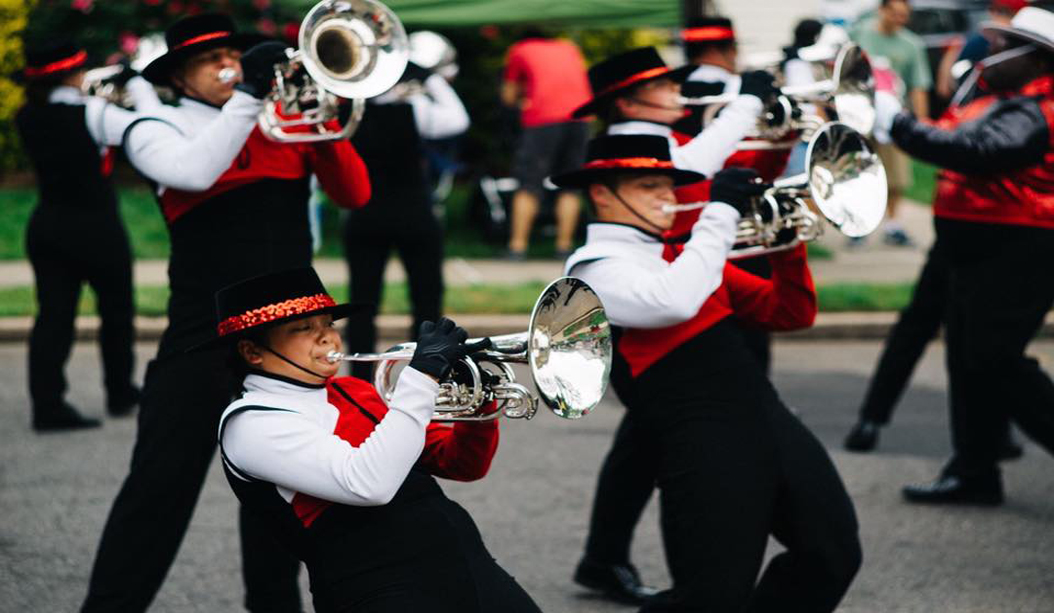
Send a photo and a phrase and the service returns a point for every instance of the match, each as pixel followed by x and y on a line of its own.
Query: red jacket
pixel 785 302
pixel 997 154
pixel 461 452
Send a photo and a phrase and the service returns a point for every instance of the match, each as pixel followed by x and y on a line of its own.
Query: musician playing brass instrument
pixel 732 464
pixel 235 202
pixel 75 234
pixel 342 477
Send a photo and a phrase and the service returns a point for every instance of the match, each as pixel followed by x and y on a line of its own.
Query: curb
pixel 396 328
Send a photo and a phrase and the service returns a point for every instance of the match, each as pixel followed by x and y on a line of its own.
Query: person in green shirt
pixel 889 43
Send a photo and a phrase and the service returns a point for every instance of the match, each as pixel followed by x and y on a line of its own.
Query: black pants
pixel 758 339
pixel 917 325
pixel 68 247
pixel 1001 288
pixel 733 466
pixel 182 402
pixel 369 237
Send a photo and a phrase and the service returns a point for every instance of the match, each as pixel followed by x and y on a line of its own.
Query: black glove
pixel 736 187
pixel 440 345
pixel 759 83
pixel 258 68
pixel 127 73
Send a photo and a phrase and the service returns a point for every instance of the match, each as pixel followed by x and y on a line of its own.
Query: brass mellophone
pixel 843 177
pixel 567 348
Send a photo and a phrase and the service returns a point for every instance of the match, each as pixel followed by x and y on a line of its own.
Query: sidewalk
pixel 873 262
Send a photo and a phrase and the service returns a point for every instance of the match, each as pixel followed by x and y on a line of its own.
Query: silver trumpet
pixel 102 81
pixel 348 50
pixel 845 180
pixel 848 96
pixel 567 348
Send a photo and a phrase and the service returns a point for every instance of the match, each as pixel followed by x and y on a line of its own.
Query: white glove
pixel 887 106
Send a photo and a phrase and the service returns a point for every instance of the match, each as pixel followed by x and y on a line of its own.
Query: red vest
pixel 462 452
pixel 786 302
pixel 1020 197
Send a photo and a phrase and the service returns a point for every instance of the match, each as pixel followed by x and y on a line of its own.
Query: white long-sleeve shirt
pixel 189 146
pixel 106 122
pixel 294 445
pixel 708 151
pixel 639 289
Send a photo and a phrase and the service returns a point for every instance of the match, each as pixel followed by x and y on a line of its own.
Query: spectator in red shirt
pixel 546 79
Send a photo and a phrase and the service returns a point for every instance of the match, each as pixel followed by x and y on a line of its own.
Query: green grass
pixel 924 180
pixel 149 237
pixel 482 299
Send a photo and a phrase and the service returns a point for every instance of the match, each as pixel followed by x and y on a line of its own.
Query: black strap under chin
pixel 614 190
pixel 291 362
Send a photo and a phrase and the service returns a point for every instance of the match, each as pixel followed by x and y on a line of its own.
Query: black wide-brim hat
pixel 51 61
pixel 271 299
pixel 618 73
pixel 708 30
pixel 626 154
pixel 192 35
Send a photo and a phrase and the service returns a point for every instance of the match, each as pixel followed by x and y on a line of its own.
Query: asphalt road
pixel 56 490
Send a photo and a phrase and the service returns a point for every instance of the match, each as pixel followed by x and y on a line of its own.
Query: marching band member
pixel 636 93
pixel 732 464
pixel 710 46
pixel 344 480
pixel 400 214
pixel 993 207
pixel 75 234
pixel 236 206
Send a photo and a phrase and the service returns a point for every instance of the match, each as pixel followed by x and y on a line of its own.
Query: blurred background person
pixel 892 46
pixel 75 234
pixel 546 79
pixel 399 214
pixel 796 72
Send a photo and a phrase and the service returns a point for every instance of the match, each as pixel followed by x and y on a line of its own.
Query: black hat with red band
pixel 192 35
pixel 614 76
pixel 53 61
pixel 708 30
pixel 272 299
pixel 623 154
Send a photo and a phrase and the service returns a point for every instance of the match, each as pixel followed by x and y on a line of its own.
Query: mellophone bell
pixel 567 347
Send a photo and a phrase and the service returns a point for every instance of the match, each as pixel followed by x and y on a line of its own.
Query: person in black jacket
pixel 995 217
pixel 75 234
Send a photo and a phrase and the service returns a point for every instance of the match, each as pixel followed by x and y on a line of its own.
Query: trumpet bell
pixel 353 48
pixel 569 348
pixel 853 98
pixel 846 179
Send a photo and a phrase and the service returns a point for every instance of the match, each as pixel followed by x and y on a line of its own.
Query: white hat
pixel 1031 23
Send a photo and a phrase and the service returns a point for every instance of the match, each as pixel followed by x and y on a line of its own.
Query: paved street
pixel 55 492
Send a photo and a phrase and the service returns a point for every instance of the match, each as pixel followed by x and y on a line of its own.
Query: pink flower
pixel 261 5
pixel 127 42
pixel 291 31
pixel 266 26
pixel 83 6
pixel 151 2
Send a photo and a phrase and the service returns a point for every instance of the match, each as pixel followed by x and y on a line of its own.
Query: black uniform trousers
pixel 255 229
pixel 627 478
pixel 1001 288
pixel 733 466
pixel 370 234
pixel 67 247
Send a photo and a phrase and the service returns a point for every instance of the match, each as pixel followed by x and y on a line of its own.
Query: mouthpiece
pixel 334 356
pixel 677 208
pixel 227 75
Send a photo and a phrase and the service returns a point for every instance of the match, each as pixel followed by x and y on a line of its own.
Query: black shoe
pixel 62 417
pixel 952 489
pixel 863 436
pixel 124 403
pixel 619 582
pixel 1010 449
pixel 514 256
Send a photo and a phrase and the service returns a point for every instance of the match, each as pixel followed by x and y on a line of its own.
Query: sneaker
pixel 898 238
pixel 514 256
pixel 856 242
pixel 123 404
